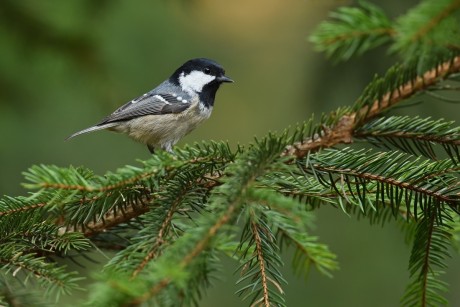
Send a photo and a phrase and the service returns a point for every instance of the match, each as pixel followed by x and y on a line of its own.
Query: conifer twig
pixel 260 258
pixel 159 240
pixel 111 219
pixel 436 20
pixel 343 131
pixel 426 259
pixel 199 247
pixel 22 209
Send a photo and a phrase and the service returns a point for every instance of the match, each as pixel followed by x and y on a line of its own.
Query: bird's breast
pixel 158 130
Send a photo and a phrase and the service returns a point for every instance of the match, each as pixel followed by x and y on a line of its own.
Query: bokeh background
pixel 64 65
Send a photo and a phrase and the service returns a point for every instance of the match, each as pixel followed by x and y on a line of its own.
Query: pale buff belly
pixel 163 131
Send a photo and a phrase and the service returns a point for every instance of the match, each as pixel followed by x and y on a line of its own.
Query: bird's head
pixel 200 76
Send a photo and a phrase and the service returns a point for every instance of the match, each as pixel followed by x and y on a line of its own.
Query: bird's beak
pixel 224 79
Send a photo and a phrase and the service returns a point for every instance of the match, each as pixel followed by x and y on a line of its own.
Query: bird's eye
pixel 207 70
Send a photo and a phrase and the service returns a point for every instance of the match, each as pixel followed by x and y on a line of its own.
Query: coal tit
pixel 161 117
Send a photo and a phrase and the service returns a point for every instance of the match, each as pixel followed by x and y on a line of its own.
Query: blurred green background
pixel 64 65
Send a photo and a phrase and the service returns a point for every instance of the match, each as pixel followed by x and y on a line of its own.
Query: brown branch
pixel 22 209
pixel 159 239
pixel 392 181
pixel 224 219
pixel 297 244
pixel 110 219
pixel 411 135
pixel 343 131
pixel 20 264
pixel 436 20
pixel 426 260
pixel 340 133
pixel 84 188
pixel 260 258
pixel 412 87
pixel 129 212
pixel 199 247
pixel 356 34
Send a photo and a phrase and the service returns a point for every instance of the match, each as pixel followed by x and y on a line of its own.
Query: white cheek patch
pixel 195 81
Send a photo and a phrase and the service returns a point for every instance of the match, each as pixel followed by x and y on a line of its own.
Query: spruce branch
pixel 308 251
pixel 391 175
pixel 260 257
pixel 430 249
pixel 52 278
pixel 343 131
pixel 428 29
pixel 183 195
pixel 133 209
pixel 13 295
pixel 394 88
pixel 27 244
pixel 412 135
pixel 111 219
pixel 352 31
pixel 199 247
pixel 159 241
pixel 291 224
pixel 13 205
pixel 256 230
pixel 445 11
pixel 260 260
pixel 230 195
pixel 103 202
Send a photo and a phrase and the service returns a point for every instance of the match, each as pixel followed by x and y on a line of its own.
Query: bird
pixel 162 116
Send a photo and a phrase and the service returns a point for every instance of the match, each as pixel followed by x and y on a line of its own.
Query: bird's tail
pixel 91 129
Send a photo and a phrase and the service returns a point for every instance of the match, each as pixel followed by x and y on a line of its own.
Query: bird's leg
pixel 151 149
pixel 168 148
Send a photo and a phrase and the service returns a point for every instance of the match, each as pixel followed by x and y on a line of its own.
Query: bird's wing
pixel 148 104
